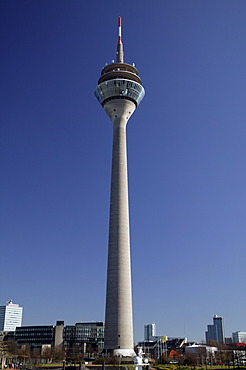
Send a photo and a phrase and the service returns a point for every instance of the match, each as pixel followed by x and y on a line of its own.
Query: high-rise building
pixel 215 332
pixel 10 316
pixel 149 332
pixel 239 337
pixel 119 91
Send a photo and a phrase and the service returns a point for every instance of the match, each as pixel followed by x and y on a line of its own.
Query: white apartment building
pixel 10 316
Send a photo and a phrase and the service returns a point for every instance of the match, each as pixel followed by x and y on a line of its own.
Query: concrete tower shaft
pixel 118 320
pixel 119 91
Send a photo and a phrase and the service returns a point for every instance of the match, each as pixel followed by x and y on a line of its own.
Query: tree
pixel 24 353
pixel 75 353
pixel 3 354
pixel 190 359
pixel 59 353
pixel 46 353
pixel 8 351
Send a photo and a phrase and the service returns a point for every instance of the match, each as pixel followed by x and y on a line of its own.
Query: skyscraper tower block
pixel 119 91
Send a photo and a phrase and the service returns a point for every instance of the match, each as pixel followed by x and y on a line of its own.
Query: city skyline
pixel 214 333
pixel 187 150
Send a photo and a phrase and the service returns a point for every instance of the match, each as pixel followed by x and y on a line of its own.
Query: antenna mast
pixel 119 53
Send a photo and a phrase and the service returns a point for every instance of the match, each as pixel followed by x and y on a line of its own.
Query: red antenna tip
pixel 119 28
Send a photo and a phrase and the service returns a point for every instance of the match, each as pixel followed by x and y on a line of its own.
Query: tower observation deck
pixel 119 91
pixel 119 80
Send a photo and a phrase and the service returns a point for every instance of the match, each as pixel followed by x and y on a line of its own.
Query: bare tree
pixel 24 353
pixel 190 360
pixel 46 354
pixel 59 353
pixel 3 354
pixel 8 352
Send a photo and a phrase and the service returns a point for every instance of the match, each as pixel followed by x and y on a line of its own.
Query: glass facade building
pixel 53 335
pixel 215 332
pixel 35 336
pixel 84 332
pixel 149 332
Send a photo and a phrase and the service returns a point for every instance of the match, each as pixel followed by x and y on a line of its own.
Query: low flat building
pixel 84 332
pixel 85 336
pixel 34 336
pixel 39 336
pixel 200 348
pixel 163 345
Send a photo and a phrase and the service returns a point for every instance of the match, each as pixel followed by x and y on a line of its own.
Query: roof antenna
pixel 119 53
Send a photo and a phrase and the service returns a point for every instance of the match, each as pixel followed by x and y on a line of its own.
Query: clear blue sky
pixel 186 150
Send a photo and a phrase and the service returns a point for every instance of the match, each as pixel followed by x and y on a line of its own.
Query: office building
pixel 84 333
pixel 54 336
pixel 215 332
pixel 149 332
pixel 40 336
pixel 10 316
pixel 239 337
pixel 35 336
pixel 119 91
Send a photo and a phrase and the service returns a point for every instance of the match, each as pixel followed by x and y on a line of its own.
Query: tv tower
pixel 119 91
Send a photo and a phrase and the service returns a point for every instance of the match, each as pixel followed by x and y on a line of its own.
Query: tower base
pixel 124 352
